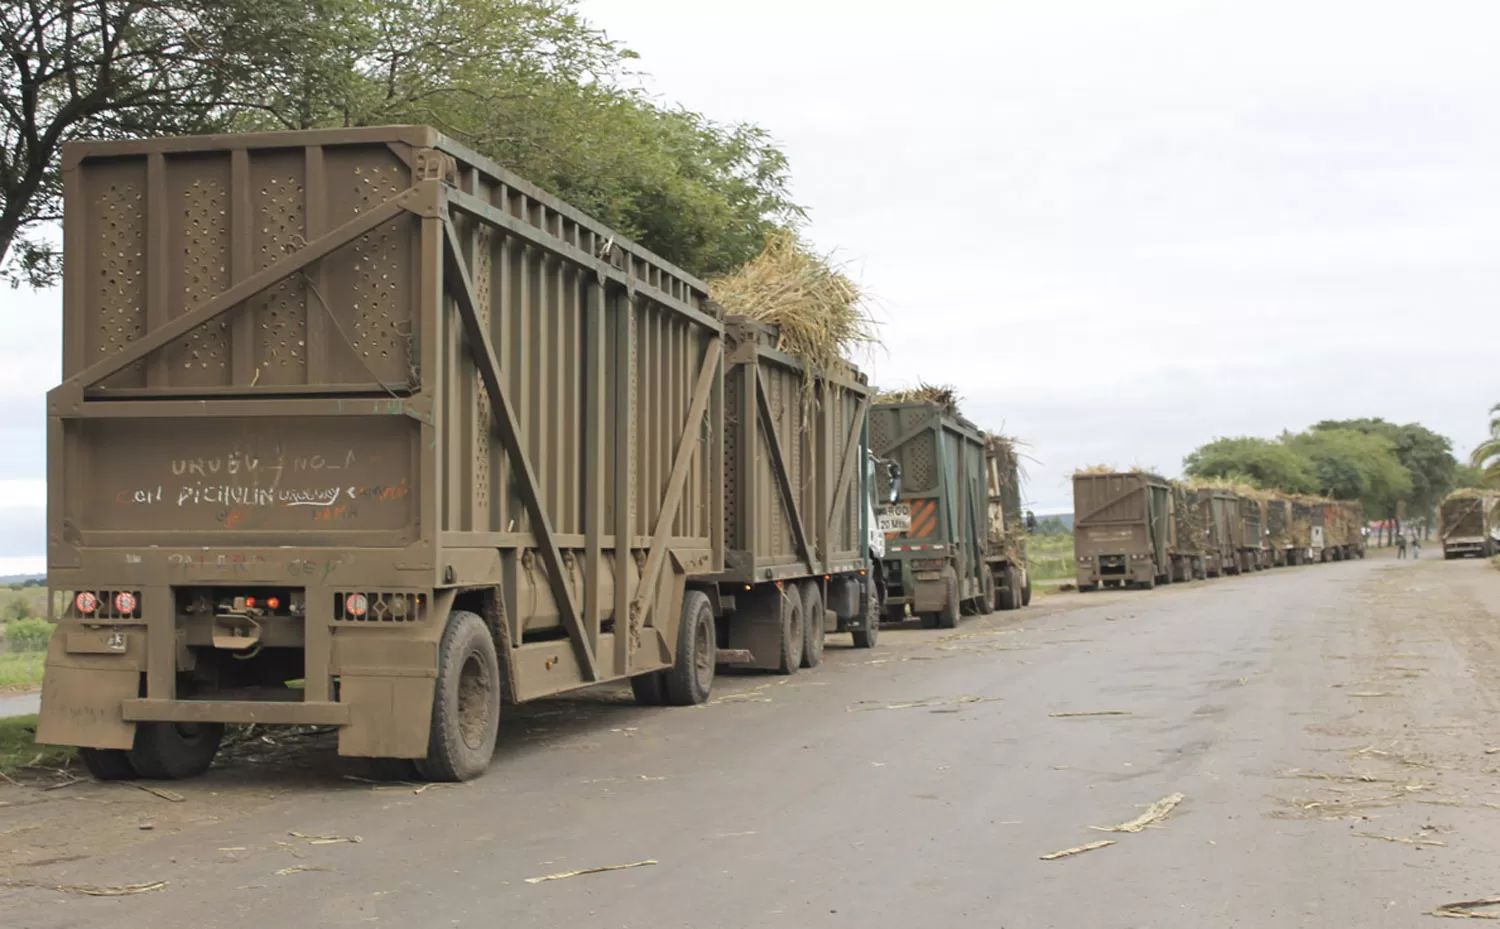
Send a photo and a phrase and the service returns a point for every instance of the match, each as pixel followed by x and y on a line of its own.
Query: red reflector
pixel 356 604
pixel 125 602
pixel 273 603
pixel 86 602
pixel 250 603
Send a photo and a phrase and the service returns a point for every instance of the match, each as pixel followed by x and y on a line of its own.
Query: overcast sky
pixel 1119 228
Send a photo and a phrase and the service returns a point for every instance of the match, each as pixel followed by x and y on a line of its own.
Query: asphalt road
pixel 1326 726
pixel 19 704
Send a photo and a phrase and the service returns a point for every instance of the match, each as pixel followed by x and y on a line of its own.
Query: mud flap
pixel 389 717
pixel 81 706
pixel 756 627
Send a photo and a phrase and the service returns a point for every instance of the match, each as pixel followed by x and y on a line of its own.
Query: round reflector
pixel 86 602
pixel 125 602
pixel 273 603
pixel 250 602
pixel 356 605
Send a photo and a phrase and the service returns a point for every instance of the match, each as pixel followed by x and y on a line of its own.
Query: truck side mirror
pixel 893 471
pixel 1030 521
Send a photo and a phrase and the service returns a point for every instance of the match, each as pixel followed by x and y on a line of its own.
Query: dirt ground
pixel 1332 731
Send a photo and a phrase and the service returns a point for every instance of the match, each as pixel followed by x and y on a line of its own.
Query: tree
pixel 103 69
pixel 1427 457
pixel 1486 456
pixel 1262 462
pixel 529 83
pixel 1354 465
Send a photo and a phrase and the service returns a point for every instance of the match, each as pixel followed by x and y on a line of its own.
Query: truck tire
pixel 174 751
pixel 870 634
pixel 1026 591
pixel 1010 594
pixel 691 677
pixel 465 702
pixel 986 602
pixel 894 614
pixel 1148 584
pixel 792 619
pixel 107 764
pixel 649 688
pixel 813 631
pixel 930 620
pixel 948 618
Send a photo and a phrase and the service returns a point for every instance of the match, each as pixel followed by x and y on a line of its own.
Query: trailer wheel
pixel 107 764
pixel 174 751
pixel 649 688
pixel 1148 584
pixel 792 619
pixel 465 702
pixel 930 620
pixel 948 618
pixel 894 614
pixel 870 634
pixel 1010 594
pixel 986 601
pixel 1026 591
pixel 691 676
pixel 812 625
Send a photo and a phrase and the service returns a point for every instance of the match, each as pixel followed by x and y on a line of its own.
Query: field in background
pixel 1051 556
pixel 23 636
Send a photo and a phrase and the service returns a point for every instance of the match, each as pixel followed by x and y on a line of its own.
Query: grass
pixel 1051 556
pixel 18 748
pixel 21 670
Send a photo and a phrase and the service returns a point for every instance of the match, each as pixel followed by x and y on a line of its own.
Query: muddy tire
pixel 691 678
pixel 107 764
pixel 986 601
pixel 1010 594
pixel 1026 591
pixel 948 617
pixel 792 632
pixel 465 704
pixel 868 636
pixel 813 631
pixel 174 751
pixel 930 620
pixel 649 688
pixel 1149 584
pixel 894 614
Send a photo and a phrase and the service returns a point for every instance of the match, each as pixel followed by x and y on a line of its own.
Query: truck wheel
pixel 870 634
pixel 1026 591
pixel 812 624
pixel 1148 584
pixel 465 702
pixel 648 689
pixel 691 677
pixel 174 751
pixel 930 620
pixel 948 618
pixel 986 602
pixel 1010 594
pixel 895 614
pixel 792 619
pixel 107 764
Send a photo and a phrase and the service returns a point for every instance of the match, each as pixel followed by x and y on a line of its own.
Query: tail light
pixel 86 603
pixel 125 603
pixel 356 605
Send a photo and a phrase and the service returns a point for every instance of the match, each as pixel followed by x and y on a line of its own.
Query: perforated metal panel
pixel 483 421
pixel 280 317
pixel 202 357
pixel 382 323
pixel 121 284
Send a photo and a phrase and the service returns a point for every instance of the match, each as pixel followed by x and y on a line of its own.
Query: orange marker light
pixel 273 603
pixel 249 603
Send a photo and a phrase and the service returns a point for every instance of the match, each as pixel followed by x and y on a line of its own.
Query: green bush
pixel 28 635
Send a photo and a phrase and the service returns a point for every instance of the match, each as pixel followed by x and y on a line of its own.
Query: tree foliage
pixel 1354 465
pixel 1262 462
pixel 1427 457
pixel 529 83
pixel 1486 456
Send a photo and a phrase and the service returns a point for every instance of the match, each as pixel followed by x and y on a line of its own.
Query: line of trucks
pixel 357 429
pixel 1469 524
pixel 1139 529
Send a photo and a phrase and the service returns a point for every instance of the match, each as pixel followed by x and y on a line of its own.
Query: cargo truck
pixel 1189 548
pixel 937 554
pixel 358 429
pixel 1469 523
pixel 1122 529
pixel 1278 530
pixel 1005 558
pixel 1248 535
pixel 1217 508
